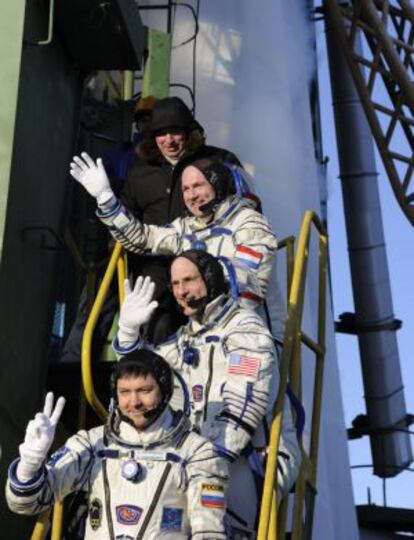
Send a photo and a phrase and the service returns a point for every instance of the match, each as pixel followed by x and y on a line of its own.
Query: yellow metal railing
pixel 116 262
pixel 288 243
pixel 57 522
pixel 42 526
pixel 272 516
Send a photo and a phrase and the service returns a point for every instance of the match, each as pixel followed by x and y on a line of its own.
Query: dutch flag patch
pixel 248 256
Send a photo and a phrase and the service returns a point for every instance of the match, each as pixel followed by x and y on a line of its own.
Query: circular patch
pixel 131 470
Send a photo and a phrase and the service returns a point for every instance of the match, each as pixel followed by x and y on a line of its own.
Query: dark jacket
pixel 152 190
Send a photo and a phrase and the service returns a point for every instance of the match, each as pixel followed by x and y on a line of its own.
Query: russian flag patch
pixel 248 256
pixel 212 495
pixel 240 364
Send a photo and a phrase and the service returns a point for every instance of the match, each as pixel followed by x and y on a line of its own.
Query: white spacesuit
pixel 227 358
pixel 236 231
pixel 162 482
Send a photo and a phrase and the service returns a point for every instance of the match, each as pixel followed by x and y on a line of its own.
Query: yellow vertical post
pixel 272 519
pixel 122 275
pixel 57 523
pixel 299 501
pixel 273 524
pixel 41 529
pixel 87 378
pixel 317 400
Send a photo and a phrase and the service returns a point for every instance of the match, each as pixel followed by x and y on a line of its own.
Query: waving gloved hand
pixel 93 177
pixel 40 433
pixel 136 310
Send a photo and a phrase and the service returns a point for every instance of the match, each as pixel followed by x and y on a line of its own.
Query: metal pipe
pixel 384 393
pixel 49 38
pixel 128 85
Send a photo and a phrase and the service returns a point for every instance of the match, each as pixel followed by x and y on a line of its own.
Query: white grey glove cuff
pixel 127 336
pixel 106 200
pixel 127 347
pixel 27 471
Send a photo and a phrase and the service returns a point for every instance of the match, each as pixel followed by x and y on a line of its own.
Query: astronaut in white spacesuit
pixel 227 358
pixel 147 475
pixel 220 220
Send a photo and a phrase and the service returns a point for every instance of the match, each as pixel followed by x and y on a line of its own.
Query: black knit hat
pixel 170 113
pixel 218 175
pixel 210 269
pixel 143 362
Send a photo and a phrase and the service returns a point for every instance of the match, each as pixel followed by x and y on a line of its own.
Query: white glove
pixel 93 177
pixel 40 433
pixel 136 310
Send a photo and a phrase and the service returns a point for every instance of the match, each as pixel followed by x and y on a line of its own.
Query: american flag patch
pixel 248 256
pixel 212 495
pixel 240 364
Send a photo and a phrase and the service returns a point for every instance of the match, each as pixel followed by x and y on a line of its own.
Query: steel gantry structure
pixel 387 59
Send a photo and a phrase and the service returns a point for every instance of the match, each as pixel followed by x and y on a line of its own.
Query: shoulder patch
pixel 241 364
pixel 212 495
pixel 248 256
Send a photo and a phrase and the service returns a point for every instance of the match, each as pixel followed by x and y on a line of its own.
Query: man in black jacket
pixel 152 191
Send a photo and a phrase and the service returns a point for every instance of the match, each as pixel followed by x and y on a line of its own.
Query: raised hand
pixel 40 433
pixel 92 176
pixel 136 309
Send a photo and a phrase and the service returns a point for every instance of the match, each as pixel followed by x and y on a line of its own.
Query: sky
pixel 399 237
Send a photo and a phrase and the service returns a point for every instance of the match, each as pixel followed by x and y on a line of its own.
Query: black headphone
pixel 143 362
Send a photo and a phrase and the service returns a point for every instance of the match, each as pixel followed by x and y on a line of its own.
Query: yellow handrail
pixel 57 523
pixel 88 333
pixel 42 526
pixel 269 526
pixel 289 244
pixel 306 485
pixel 122 267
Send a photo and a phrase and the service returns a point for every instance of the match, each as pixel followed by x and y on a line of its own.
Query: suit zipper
pixel 210 377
